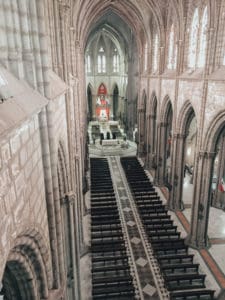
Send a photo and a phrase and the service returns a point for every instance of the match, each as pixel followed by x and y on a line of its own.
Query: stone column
pixel 74 273
pixel 148 144
pixel 152 144
pixel 161 154
pixel 197 237
pixel 177 172
pixel 141 131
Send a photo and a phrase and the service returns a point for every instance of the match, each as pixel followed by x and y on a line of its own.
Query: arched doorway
pixel 207 222
pixel 90 103
pixel 183 160
pixel 188 160
pixel 116 115
pixel 216 223
pixel 26 274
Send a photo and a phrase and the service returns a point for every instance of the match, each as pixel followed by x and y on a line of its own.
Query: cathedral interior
pixel 112 149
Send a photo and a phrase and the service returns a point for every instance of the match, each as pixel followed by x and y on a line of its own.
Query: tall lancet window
pixel 172 50
pixel 101 60
pixel 192 54
pixel 155 53
pixel 115 61
pixel 88 64
pixel 203 40
pixel 146 57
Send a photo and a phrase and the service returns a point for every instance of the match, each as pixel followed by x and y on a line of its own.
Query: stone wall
pixel 22 199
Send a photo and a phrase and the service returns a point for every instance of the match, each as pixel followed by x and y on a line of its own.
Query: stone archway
pixel 198 236
pixel 27 274
pixel 181 141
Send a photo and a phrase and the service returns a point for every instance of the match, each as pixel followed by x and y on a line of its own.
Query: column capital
pixel 69 198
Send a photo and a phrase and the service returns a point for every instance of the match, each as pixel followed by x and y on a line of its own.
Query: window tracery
pixel 101 60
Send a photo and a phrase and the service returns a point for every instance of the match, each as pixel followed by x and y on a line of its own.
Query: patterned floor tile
pixel 141 262
pixel 127 209
pixel 131 223
pixel 135 240
pixel 149 290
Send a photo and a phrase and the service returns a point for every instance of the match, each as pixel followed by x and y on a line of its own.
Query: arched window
pixel 88 64
pixel 146 57
pixel 172 50
pixel 203 41
pixel 192 54
pixel 155 53
pixel 101 60
pixel 115 61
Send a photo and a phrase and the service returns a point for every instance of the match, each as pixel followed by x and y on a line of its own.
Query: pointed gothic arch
pixel 183 160
pixel 27 272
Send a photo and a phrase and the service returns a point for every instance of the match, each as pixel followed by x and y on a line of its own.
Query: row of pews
pixel 111 278
pixel 181 275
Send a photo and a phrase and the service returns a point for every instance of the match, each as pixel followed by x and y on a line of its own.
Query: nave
pixel 155 263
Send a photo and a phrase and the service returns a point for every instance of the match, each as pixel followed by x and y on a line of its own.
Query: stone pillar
pixel 148 144
pixel 141 131
pixel 152 143
pixel 73 275
pixel 161 154
pixel 177 172
pixel 197 237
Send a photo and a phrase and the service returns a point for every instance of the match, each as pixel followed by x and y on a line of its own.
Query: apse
pixel 111 59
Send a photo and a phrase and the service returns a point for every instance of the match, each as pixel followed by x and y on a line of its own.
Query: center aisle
pixel 149 281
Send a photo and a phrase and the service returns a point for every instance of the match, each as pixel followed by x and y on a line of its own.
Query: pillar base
pixel 196 244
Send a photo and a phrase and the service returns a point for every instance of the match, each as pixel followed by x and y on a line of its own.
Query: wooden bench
pixel 196 295
pixel 159 236
pixel 177 258
pixel 179 268
pixel 184 281
pixel 109 258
